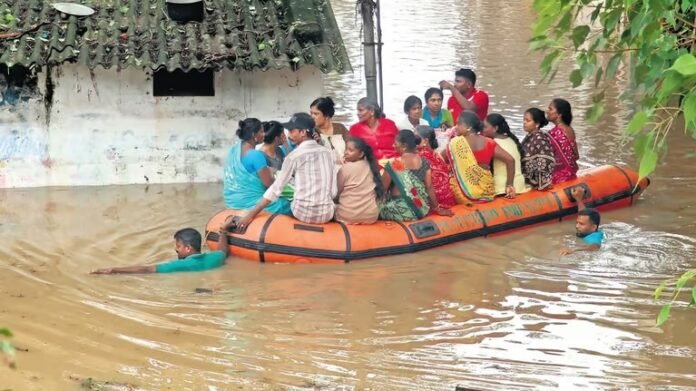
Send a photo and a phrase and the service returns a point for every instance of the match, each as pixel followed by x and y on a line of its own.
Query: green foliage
pixel 655 40
pixel 7 350
pixel 679 286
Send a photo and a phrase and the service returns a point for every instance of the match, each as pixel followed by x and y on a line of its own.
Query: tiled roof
pixel 237 34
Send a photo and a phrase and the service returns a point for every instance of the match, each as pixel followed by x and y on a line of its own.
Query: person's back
pixel 315 182
pixel 500 169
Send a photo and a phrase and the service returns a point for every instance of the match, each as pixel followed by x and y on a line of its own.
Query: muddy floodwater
pixel 499 313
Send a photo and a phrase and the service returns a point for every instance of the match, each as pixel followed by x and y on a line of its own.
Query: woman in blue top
pixel 247 175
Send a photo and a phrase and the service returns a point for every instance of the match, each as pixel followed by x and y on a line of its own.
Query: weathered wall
pixel 105 127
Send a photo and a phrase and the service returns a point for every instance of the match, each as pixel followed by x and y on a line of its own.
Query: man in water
pixel 312 167
pixel 586 225
pixel 187 244
pixel 465 96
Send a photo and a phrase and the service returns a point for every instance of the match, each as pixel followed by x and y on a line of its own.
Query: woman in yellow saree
pixel 472 179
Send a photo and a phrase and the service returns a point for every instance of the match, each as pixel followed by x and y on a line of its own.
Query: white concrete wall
pixel 105 127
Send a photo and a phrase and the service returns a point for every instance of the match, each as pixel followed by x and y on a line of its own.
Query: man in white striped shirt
pixel 313 169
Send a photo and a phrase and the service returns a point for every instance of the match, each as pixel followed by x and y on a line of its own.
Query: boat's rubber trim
pixel 413 247
pixel 344 227
pixel 559 203
pixel 311 228
pixel 408 231
pixel 262 237
pixel 628 179
pixel 483 220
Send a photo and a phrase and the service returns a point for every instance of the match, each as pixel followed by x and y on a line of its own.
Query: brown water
pixel 498 313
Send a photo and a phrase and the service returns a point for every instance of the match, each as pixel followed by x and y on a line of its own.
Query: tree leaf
pixel 642 143
pixel 670 83
pixel 579 35
pixel 595 13
pixel 598 77
pixel 689 107
pixel 611 20
pixel 693 296
pixel 576 77
pixel 664 314
pixel 613 65
pixel 648 162
pixel 5 332
pixel 637 122
pixel 660 288
pixel 685 64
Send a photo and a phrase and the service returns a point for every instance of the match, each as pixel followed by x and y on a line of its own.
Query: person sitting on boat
pixel 330 134
pixel 496 127
pixel 359 185
pixel 440 171
pixel 538 156
pixel 413 110
pixel 470 156
pixel 187 244
pixel 465 96
pixel 377 131
pixel 586 225
pixel 408 180
pixel 313 168
pixel 275 145
pixel 562 138
pixel 247 173
pixel 437 117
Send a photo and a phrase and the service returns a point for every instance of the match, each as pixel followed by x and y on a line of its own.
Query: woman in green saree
pixel 408 181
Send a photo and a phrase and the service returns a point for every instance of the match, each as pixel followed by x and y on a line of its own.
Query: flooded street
pixel 500 313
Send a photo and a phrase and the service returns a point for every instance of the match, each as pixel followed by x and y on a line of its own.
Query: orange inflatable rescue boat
pixel 280 238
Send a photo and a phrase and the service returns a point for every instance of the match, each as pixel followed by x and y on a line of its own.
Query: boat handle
pixel 311 228
pixel 588 192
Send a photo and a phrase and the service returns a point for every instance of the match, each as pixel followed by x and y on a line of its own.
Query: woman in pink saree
pixel 562 138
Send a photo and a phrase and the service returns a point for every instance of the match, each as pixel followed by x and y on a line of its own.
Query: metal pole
pixel 367 9
pixel 379 57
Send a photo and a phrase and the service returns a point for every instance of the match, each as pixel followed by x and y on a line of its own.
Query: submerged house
pixel 151 91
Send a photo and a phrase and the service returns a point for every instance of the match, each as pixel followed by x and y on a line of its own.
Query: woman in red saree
pixel 440 171
pixel 377 131
pixel 562 138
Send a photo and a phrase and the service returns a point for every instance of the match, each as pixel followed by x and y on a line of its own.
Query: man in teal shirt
pixel 586 225
pixel 188 250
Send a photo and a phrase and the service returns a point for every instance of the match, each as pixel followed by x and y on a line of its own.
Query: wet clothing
pixel 243 189
pixel 443 117
pixel 596 237
pixel 566 153
pixel 539 161
pixel 469 181
pixel 413 202
pixel 440 177
pixel 254 161
pixel 405 123
pixel 275 163
pixel 357 200
pixel 336 142
pixel 477 97
pixel 312 167
pixel 381 141
pixel 193 263
pixel 485 154
pixel 500 169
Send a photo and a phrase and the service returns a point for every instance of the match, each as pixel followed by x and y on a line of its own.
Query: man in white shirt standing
pixel 312 168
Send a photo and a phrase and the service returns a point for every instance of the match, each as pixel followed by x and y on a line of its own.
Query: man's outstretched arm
pixel 139 269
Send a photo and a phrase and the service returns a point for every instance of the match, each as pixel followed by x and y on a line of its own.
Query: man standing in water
pixel 187 244
pixel 586 225
pixel 312 167
pixel 465 96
